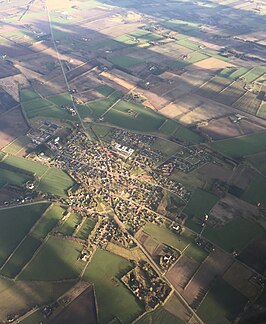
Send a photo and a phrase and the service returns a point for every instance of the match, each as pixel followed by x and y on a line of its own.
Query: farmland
pixel 68 227
pixel 20 219
pixel 114 299
pixel 60 266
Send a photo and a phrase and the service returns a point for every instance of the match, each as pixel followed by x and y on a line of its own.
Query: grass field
pixel 168 127
pixel 222 303
pixel 15 224
pixel 233 73
pixel 61 100
pixel 188 44
pixel 234 235
pixel 27 95
pixel 160 315
pixel 196 253
pixel 165 235
pixel 255 73
pixel 48 222
pixel 135 117
pixel 255 193
pixel 113 298
pixel 14 178
pixel 258 161
pixel 241 146
pixel 56 182
pixel 86 229
pixel 20 257
pixel 15 146
pixel 186 135
pixel 105 90
pixel 125 61
pixel 69 225
pixel 200 203
pixel 64 262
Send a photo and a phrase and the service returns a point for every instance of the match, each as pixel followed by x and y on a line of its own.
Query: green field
pixel 196 57
pixel 58 259
pixel 159 316
pixel 48 221
pixel 222 303
pixel 68 227
pixel 241 146
pixel 15 146
pixel 61 100
pixel 27 95
pixel 15 224
pixel 233 73
pixel 255 73
pixel 234 235
pixel 186 135
pixel 20 257
pixel 125 61
pixel 168 127
pixel 262 111
pixel 113 298
pixel 13 178
pixel 86 229
pixel 56 182
pixel 105 90
pixel 258 161
pixel 200 203
pixel 166 236
pixel 196 253
pixel 135 117
pixel 188 44
pixel 255 193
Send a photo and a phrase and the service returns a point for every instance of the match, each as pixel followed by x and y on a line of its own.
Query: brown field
pixel 182 272
pixel 215 264
pixel 238 276
pixel 254 255
pixel 212 63
pixel 231 207
pixel 7 195
pixel 175 307
pixel 211 171
pixel 12 125
pixel 248 103
pixel 121 79
pixel 6 101
pixel 213 87
pixel 80 310
pixel 7 69
pixel 129 254
pixel 11 85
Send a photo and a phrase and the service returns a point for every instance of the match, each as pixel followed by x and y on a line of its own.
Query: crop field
pixel 255 73
pixel 48 221
pixel 196 57
pixel 56 182
pixel 135 117
pixel 64 262
pixel 68 227
pixel 231 94
pixel 17 221
pixel 234 235
pixel 168 127
pixel 61 100
pixel 126 61
pixel 248 103
pixel 105 90
pixel 114 300
pixel 223 302
pixel 17 145
pixel 255 193
pixel 86 229
pixel 242 145
pixel 188 44
pixel 160 315
pixel 196 253
pixel 20 257
pixel 166 236
pixel 233 73
pixel 262 111
pixel 213 87
pixel 27 95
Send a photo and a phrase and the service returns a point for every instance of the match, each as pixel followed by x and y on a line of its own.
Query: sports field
pixel 114 300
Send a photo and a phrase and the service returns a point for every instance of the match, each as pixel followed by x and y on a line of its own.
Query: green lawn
pixel 222 303
pixel 159 316
pixel 196 253
pixel 235 234
pixel 15 146
pixel 56 182
pixel 256 192
pixel 86 229
pixel 48 221
pixel 15 224
pixel 241 146
pixel 113 298
pixel 68 227
pixel 21 256
pixel 58 259
pixel 165 235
